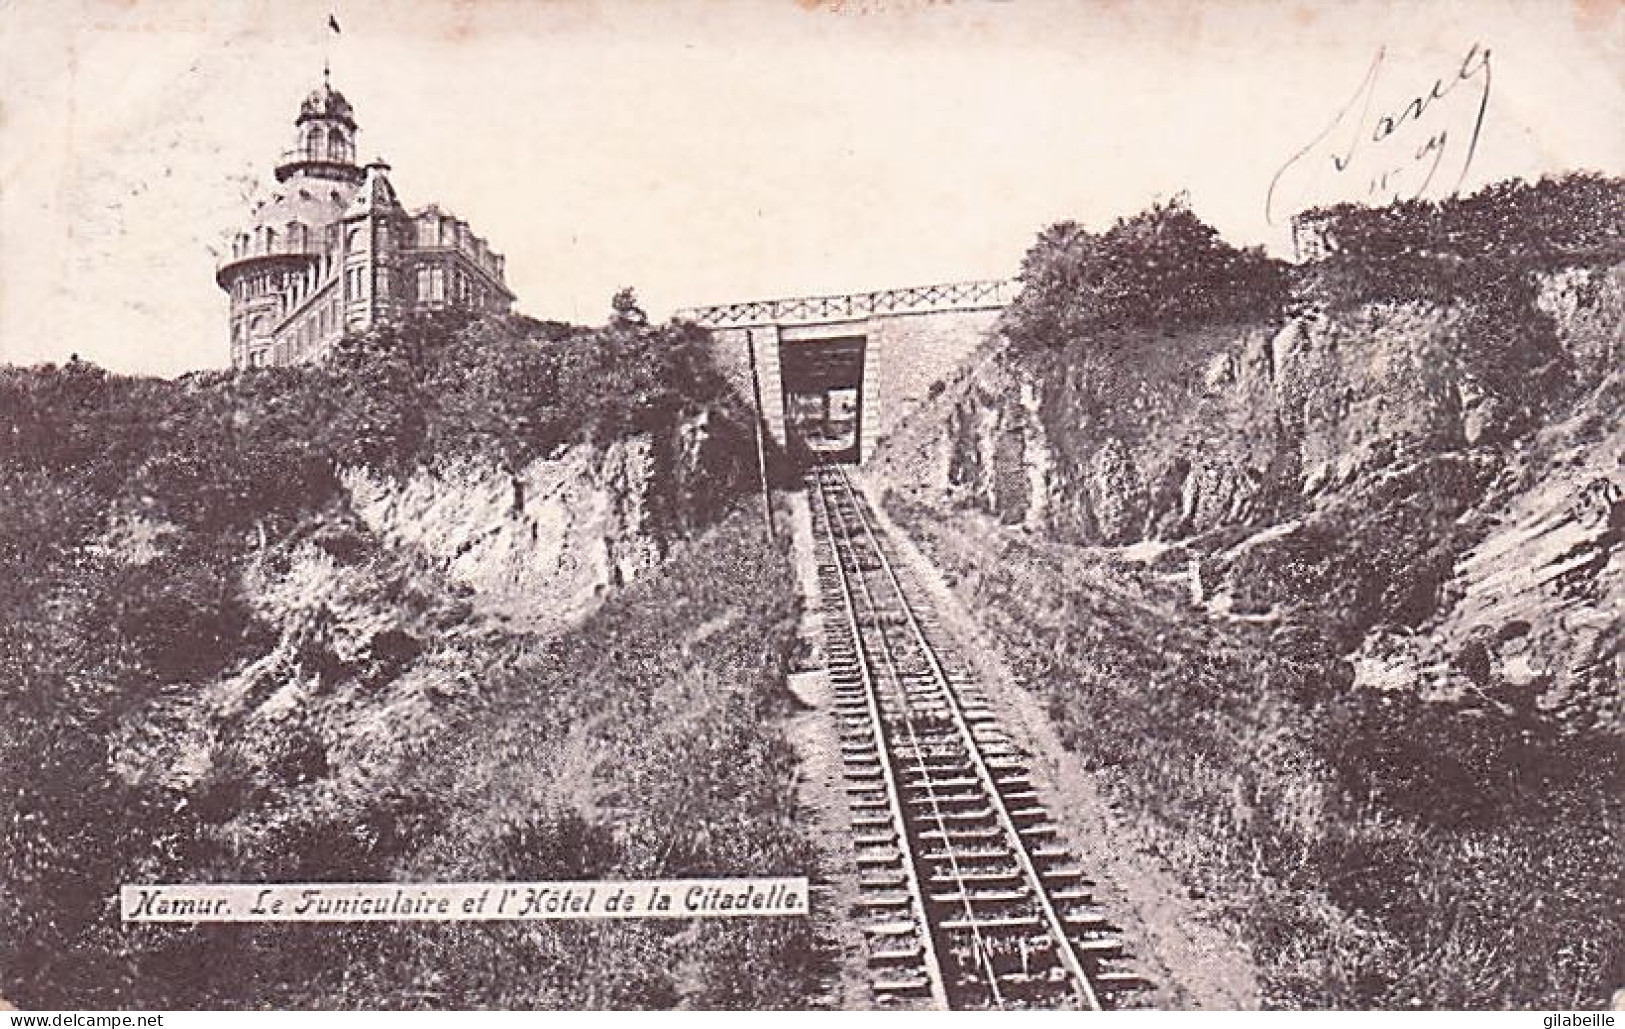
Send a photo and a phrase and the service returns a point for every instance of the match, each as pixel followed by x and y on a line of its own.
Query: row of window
pixel 298 237
pixel 315 329
pixel 434 231
pixel 251 286
pixel 301 339
pixel 295 237
pixel 322 145
pixel 433 283
pixel 464 291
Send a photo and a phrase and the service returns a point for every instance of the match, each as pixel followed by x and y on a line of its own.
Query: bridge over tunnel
pixel 834 374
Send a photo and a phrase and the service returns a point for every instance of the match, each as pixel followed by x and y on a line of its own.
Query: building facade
pixel 332 250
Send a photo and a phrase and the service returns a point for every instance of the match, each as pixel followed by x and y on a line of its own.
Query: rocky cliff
pixel 386 610
pixel 537 545
pixel 1443 480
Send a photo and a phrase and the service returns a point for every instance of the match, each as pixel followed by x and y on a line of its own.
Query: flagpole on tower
pixel 327 57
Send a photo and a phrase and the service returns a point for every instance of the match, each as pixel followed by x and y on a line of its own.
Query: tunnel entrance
pixel 823 397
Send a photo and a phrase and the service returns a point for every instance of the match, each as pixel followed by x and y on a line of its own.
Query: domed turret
pixel 326 140
pixel 317 182
pixel 326 102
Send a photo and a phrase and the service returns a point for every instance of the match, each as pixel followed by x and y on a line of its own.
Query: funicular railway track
pixel 968 899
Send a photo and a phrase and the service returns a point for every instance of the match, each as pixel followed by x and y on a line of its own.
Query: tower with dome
pixel 331 249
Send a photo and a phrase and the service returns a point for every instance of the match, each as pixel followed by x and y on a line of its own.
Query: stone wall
pixel 906 355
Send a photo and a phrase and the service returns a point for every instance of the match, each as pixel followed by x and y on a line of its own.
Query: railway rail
pixel 968 898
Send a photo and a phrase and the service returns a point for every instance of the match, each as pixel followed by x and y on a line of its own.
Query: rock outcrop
pixel 1473 445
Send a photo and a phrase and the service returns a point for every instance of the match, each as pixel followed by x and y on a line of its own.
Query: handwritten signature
pixel 1393 153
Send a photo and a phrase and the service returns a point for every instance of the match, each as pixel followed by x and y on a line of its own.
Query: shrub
pixel 1162 269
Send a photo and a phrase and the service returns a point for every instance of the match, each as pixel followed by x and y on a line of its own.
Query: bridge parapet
pixel 981 295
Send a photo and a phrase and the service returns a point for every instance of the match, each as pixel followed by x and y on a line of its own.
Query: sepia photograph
pixel 811 505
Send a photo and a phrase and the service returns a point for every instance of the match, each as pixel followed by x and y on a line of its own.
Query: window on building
pixel 381 282
pixel 429 232
pixel 432 284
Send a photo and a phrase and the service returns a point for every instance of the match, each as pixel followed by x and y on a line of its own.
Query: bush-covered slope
pixel 283 625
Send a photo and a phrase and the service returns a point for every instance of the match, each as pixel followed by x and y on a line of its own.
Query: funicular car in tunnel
pixel 823 389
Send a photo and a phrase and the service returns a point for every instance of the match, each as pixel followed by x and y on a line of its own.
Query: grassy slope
pixel 635 746
pixel 175 706
pixel 1372 851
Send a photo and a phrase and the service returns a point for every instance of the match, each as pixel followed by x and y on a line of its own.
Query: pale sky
pixel 711 151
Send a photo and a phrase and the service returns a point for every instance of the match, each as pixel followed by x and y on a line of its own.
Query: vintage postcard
pixel 868 505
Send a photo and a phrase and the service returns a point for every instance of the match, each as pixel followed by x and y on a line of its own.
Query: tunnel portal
pixel 823 396
pixel 833 374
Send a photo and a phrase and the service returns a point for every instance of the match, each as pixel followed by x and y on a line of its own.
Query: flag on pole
pixel 333 23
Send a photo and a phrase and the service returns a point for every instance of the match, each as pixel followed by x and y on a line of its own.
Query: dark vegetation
pixel 1163 269
pixel 1377 848
pixel 135 516
pixel 1482 253
pixel 1439 250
